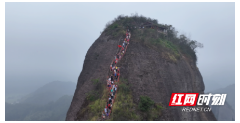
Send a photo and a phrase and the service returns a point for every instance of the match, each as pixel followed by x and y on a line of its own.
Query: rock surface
pixel 96 65
pixel 147 72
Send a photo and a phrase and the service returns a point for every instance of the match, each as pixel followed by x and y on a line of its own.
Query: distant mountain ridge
pixel 227 111
pixel 54 111
pixel 230 91
pixel 49 92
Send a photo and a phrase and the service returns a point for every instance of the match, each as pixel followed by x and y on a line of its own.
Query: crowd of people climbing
pixel 113 78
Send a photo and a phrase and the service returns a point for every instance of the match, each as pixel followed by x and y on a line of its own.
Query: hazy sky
pixel 45 42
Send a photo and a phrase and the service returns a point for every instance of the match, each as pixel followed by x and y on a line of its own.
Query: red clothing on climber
pixel 118 74
pixel 119 46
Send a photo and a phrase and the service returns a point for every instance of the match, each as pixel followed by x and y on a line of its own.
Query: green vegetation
pixel 149 109
pixel 145 103
pixel 158 42
pixel 115 30
pixel 124 108
pixel 167 41
pixel 96 101
pixel 124 88
pixel 95 81
pixel 92 95
pixel 154 112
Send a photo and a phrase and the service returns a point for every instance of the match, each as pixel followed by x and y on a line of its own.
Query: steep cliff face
pixel 148 73
pixel 150 70
pixel 96 65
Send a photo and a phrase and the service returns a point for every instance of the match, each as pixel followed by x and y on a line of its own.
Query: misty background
pixel 46 43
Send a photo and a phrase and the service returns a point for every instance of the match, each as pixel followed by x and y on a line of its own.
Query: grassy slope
pixel 123 109
pixel 158 42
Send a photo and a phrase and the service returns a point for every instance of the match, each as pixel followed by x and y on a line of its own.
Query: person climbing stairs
pixel 113 82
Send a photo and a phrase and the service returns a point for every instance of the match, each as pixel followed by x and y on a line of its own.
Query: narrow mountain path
pixel 113 78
